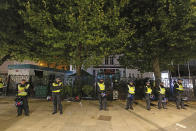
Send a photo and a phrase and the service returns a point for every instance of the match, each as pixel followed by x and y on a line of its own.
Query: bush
pixel 87 90
pixel 67 91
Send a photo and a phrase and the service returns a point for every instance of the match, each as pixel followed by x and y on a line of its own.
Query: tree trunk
pixel 157 72
pixel 78 79
pixel 78 70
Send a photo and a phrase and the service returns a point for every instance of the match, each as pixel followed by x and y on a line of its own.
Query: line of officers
pixel 22 90
pixel 102 95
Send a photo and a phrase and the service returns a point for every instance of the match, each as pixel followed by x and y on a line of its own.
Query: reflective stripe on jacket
pixel 56 87
pixel 180 87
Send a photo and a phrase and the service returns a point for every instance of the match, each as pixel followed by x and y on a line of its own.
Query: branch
pixel 5 58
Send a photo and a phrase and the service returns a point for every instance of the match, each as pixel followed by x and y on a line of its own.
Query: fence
pixel 35 83
pixel 89 83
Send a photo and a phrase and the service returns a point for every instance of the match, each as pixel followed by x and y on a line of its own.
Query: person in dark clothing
pixel 102 94
pixel 161 96
pixel 130 96
pixel 22 90
pixel 148 92
pixel 115 89
pixel 56 88
pixel 179 89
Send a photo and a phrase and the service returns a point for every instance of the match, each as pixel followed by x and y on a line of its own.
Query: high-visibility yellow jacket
pixel 1 84
pixel 101 86
pixel 57 87
pixel 131 89
pixel 148 90
pixel 162 90
pixel 22 89
pixel 180 87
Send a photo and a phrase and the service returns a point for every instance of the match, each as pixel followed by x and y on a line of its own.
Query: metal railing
pixel 71 81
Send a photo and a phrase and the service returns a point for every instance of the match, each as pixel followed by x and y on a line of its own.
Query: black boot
pixel 27 114
pixel 54 113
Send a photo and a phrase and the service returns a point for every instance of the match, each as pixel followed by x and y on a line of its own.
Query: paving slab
pixel 85 116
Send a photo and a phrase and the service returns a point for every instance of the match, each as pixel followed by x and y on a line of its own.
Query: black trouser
pixel 57 101
pixel 160 101
pixel 102 102
pixel 25 106
pixel 179 101
pixel 147 96
pixel 130 101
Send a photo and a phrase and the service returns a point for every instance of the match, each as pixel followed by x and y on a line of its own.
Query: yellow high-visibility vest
pixel 21 90
pixel 162 90
pixel 1 85
pixel 101 86
pixel 131 89
pixel 149 90
pixel 180 87
pixel 57 84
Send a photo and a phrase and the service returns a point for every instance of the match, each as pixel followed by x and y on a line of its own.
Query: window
pixel 141 75
pixel 124 74
pixel 93 72
pixel 129 74
pixel 111 60
pixel 138 75
pixel 133 75
pixel 106 60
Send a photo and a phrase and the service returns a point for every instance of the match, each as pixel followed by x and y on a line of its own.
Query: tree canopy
pixel 78 32
pixel 162 33
pixel 149 33
pixel 12 44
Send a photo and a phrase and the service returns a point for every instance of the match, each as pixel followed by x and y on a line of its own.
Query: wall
pixel 19 72
pixel 4 66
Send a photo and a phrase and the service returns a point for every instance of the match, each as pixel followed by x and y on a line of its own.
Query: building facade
pixel 111 67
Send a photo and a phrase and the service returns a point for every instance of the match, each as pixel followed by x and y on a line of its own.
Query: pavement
pixel 85 116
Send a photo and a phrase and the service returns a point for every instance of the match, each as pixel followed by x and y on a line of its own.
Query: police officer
pixel 1 86
pixel 161 92
pixel 56 88
pixel 148 92
pixel 179 92
pixel 130 96
pixel 115 89
pixel 22 90
pixel 102 94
